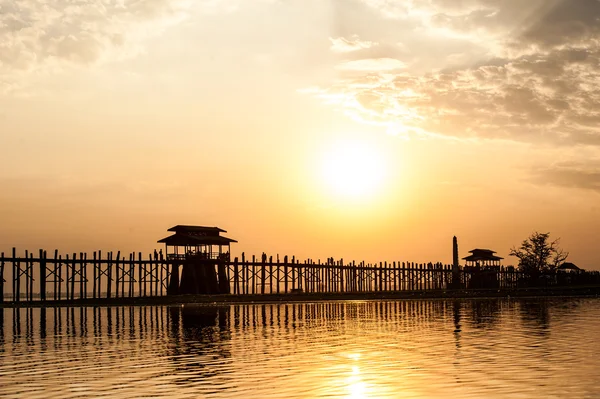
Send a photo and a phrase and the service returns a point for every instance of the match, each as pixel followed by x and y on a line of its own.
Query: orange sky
pixel 471 118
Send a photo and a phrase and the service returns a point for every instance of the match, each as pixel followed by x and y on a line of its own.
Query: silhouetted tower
pixel 455 267
pixel 202 252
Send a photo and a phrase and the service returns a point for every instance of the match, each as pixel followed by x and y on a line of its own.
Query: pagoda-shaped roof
pixel 186 229
pixel 186 235
pixel 482 254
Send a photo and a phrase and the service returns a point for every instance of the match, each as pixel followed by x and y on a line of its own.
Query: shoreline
pixel 581 291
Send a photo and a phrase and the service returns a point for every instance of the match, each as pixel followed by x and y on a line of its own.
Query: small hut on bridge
pixel 569 267
pixel 483 258
pixel 482 266
pixel 197 241
pixel 203 253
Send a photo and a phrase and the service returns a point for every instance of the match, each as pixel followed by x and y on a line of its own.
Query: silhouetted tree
pixel 538 255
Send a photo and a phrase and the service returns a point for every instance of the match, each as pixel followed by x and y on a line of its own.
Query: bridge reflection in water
pixel 369 349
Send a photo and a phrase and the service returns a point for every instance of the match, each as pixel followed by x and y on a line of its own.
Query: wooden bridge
pixel 39 277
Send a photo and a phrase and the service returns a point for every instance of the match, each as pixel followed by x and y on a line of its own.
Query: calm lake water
pixel 374 349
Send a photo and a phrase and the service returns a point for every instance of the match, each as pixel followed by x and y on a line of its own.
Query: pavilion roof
pixel 181 239
pixel 180 228
pixel 568 266
pixel 482 254
pixel 482 250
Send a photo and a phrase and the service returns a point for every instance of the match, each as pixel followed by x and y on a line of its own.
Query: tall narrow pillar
pixel 455 270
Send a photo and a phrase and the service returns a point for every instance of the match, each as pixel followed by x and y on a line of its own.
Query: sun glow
pixel 353 169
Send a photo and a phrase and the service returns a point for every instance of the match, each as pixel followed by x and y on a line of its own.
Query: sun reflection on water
pixel 357 388
pixel 380 349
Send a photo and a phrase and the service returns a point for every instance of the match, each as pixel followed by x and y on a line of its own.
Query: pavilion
pixel 202 253
pixel 569 267
pixel 198 241
pixel 482 258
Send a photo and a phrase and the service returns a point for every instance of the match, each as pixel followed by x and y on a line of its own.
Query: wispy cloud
pixel 45 36
pixel 579 175
pixel 343 45
pixel 538 82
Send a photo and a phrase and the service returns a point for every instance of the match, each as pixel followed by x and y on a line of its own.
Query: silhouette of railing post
pixel 140 277
pixel 153 274
pixel 236 277
pixel 300 286
pixel 15 273
pixel 2 281
pixel 175 283
pixel 95 276
pixel 263 272
pixel 67 277
pixel 58 271
pixel 82 273
pixel 73 274
pixel 244 275
pixel 30 277
pixel 110 275
pixel 42 275
pixel 278 277
pixel 270 274
pixel 293 273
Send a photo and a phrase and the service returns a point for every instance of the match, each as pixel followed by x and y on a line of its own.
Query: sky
pixel 371 130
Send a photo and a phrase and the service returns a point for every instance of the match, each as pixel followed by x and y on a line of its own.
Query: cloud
pixel 536 80
pixel 343 45
pixel 372 64
pixel 45 36
pixel 584 176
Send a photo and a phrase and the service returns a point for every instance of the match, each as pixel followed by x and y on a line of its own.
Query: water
pixel 373 349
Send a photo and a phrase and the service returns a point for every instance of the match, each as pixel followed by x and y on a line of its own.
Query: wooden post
pixel 30 276
pixel 270 274
pixel 285 274
pixel 244 275
pixel 26 272
pixel 293 272
pixel 85 279
pixel 73 271
pixel 140 274
pixel 99 275
pixel 81 278
pixel 156 274
pixel 144 267
pixel 162 274
pixel 60 279
pixel 56 280
pixel 42 275
pixel 2 285
pixel 253 274
pixel 236 277
pixel 94 282
pixel 299 276
pixel 341 271
pixel 309 276
pixel 108 273
pixel 278 277
pixel 174 275
pixel 16 278
pixel 116 274
pixel 263 267
pixel 68 281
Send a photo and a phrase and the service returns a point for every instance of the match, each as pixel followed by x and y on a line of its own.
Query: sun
pixel 353 169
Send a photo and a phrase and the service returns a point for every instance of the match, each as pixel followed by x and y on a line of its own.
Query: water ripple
pixel 370 349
